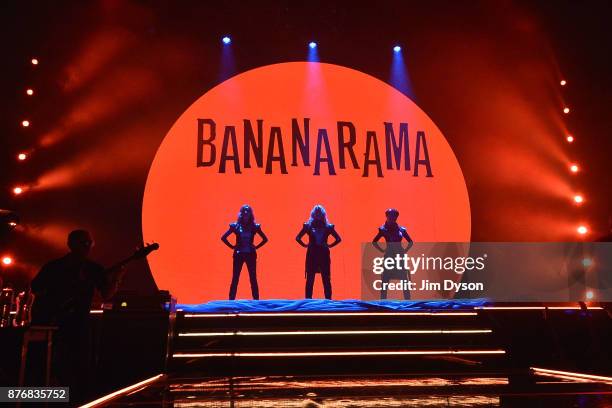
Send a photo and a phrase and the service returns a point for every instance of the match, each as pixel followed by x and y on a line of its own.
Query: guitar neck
pixel 140 253
pixel 121 263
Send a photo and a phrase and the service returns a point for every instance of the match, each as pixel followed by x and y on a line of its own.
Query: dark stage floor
pixel 485 390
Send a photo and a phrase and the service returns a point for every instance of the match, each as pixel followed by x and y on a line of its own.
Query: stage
pixel 397 335
pixel 385 353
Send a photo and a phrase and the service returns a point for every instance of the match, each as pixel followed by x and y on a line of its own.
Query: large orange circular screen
pixel 283 138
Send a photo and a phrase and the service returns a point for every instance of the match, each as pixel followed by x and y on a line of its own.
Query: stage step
pixel 313 362
pixel 352 337
pixel 195 321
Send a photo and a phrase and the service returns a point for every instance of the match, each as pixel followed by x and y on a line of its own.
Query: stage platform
pixel 324 305
pixel 319 337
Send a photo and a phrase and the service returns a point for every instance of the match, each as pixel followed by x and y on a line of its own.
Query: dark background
pixel 114 76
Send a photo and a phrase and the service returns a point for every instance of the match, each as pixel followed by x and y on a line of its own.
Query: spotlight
pixel 570 138
pixel 563 82
pixel 397 48
pixel 17 190
pixel 29 91
pixel 574 168
pixel 589 294
pixel 226 40
pixel 8 218
pixel 582 230
pixel 566 110
pixel 312 45
pixel 34 61
pixel 7 260
pixel 25 123
pixel 22 156
pixel 586 262
pixel 578 199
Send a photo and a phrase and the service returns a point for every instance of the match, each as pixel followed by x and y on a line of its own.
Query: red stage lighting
pixel 22 156
pixel 578 199
pixel 582 230
pixel 29 91
pixel 574 168
pixel 18 190
pixel 34 61
pixel 570 138
pixel 566 110
pixel 563 82
pixel 25 123
pixel 7 260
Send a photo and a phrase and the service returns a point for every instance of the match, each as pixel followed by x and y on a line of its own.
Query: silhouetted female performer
pixel 318 230
pixel 393 235
pixel 245 251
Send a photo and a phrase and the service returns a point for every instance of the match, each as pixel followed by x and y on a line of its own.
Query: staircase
pixel 330 343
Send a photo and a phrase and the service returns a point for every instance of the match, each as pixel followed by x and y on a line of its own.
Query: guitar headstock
pixel 145 250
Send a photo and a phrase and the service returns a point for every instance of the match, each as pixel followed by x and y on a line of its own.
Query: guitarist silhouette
pixel 64 289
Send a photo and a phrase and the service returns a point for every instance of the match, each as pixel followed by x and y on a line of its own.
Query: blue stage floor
pixel 323 305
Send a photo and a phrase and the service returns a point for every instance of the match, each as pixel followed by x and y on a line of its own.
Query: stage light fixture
pixel 332 332
pixel 29 91
pixel 572 375
pixel 586 262
pixel 25 123
pixel 590 294
pixel 116 394
pixel 570 138
pixel 566 110
pixel 397 48
pixel 7 260
pixel 574 168
pixel 563 82
pixel 22 156
pixel 578 199
pixel 226 40
pixel 17 190
pixel 356 353
pixel 34 61
pixel 312 45
pixel 582 230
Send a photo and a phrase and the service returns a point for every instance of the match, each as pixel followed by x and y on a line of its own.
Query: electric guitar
pixel 141 252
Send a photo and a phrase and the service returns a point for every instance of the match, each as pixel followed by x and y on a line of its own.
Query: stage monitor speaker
pixel 135 335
